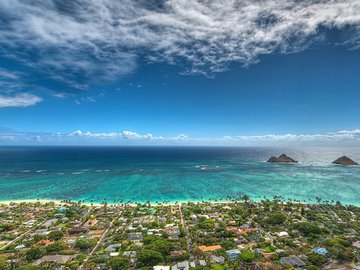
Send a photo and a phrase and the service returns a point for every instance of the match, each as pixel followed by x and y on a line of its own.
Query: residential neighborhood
pixel 271 234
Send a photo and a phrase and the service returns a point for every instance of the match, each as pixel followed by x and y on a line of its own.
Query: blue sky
pixel 179 72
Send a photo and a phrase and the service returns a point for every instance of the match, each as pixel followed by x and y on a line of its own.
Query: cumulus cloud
pixel 181 137
pixel 19 100
pixel 131 135
pixel 79 41
pixel 345 137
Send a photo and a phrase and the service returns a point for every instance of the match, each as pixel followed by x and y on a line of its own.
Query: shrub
pixel 56 235
pixel 85 244
pixel 149 257
pixel 35 253
pixel 307 228
pixel 119 263
pixel 276 219
pixel 247 256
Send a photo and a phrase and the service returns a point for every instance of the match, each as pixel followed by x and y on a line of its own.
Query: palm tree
pixel 245 198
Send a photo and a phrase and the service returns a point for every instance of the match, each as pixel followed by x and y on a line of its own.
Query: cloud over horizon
pixel 78 137
pixel 78 43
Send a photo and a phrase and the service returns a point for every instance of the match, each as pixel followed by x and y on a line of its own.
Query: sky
pixel 179 72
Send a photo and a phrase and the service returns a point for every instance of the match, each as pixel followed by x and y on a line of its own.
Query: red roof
pixel 239 231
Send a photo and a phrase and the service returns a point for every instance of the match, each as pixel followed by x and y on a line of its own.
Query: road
pixel 188 239
pixel 22 235
pixel 99 243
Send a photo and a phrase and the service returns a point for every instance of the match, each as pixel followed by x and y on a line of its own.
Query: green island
pixel 270 234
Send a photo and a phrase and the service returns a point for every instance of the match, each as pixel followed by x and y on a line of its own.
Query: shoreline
pixel 96 204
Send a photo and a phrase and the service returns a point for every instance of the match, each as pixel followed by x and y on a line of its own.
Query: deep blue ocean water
pixel 159 174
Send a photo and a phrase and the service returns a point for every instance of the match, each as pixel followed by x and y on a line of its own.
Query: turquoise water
pixel 172 174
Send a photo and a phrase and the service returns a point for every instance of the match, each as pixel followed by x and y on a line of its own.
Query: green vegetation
pixel 276 218
pixel 56 235
pixel 85 244
pixel 307 228
pixel 3 263
pixel 35 253
pixel 149 257
pixel 247 256
pixel 143 235
pixel 119 263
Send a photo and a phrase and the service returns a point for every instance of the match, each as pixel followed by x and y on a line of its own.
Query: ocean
pixel 176 174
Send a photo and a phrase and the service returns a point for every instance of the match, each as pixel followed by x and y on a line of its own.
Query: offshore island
pixel 270 234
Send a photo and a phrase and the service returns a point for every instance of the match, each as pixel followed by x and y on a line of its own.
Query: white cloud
pixel 181 137
pixel 77 41
pixel 76 133
pixel 340 136
pixel 350 132
pixel 345 137
pixel 129 134
pixel 19 100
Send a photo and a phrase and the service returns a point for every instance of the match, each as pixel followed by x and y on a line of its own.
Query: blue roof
pixel 233 252
pixel 320 250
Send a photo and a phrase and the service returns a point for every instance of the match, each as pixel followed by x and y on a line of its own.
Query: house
pixel 246 246
pixel 240 231
pixel 269 255
pixel 356 244
pixel 160 267
pixel 71 241
pixel 135 238
pixel 154 231
pixel 320 251
pixel 113 248
pixel 50 222
pixel 209 248
pixel 259 251
pixel 91 222
pixel 61 259
pixel 129 254
pixel 240 240
pixel 282 234
pixel 173 233
pixel 45 242
pixel 181 266
pixel 292 261
pixel 217 259
pixel 177 253
pixel 20 247
pixel 193 218
pixel 233 253
pixel 78 230
pixel 42 232
pixel 30 222
pixel 254 237
pixel 202 262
